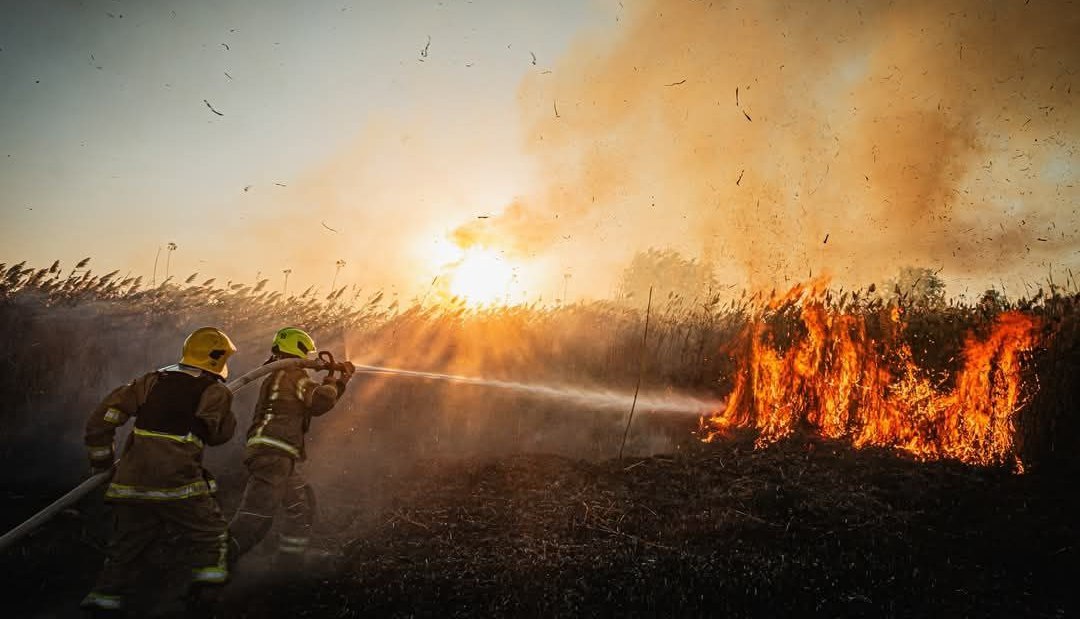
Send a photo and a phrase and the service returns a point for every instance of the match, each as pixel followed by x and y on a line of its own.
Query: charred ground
pixel 804 527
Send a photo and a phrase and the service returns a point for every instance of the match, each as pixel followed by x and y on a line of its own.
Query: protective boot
pixel 102 613
pixel 204 601
pixel 286 563
pixel 101 605
pixel 232 553
pixel 322 563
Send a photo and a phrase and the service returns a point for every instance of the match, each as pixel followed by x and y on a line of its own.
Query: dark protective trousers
pixel 139 525
pixel 272 482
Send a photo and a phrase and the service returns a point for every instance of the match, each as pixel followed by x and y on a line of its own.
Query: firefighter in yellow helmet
pixel 288 399
pixel 159 479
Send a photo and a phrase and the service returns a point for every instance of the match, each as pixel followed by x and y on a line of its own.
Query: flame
pixel 849 373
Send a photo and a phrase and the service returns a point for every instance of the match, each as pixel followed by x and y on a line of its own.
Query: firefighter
pixel 288 399
pixel 160 481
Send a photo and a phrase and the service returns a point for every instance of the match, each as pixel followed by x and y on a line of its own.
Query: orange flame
pixel 833 377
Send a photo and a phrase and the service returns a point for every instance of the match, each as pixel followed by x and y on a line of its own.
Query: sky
pixel 773 140
pixel 333 115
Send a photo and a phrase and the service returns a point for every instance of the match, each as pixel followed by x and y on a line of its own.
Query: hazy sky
pixel 108 150
pixel 772 139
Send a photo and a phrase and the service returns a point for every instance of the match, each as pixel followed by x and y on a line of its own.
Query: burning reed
pixel 846 370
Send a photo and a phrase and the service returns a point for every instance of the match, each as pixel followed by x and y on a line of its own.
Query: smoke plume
pixel 776 138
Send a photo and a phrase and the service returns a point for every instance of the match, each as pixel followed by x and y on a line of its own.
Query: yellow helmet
pixel 293 341
pixel 209 349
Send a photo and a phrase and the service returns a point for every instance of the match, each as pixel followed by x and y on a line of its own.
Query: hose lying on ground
pixel 96 481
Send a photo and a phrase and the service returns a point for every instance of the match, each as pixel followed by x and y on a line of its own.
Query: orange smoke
pixel 847 373
pixel 746 133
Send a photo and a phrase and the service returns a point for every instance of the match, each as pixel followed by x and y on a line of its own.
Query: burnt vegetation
pixel 451 500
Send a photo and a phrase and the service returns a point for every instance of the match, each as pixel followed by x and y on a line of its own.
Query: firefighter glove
pixel 347 370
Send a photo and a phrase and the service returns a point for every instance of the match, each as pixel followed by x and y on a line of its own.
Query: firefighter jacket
pixel 288 400
pixel 178 410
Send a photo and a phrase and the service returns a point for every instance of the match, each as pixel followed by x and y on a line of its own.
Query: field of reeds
pixel 70 335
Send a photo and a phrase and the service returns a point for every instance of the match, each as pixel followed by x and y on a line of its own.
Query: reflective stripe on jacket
pixel 178 411
pixel 287 400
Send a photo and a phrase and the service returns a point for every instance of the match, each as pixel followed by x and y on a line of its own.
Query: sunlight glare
pixel 482 277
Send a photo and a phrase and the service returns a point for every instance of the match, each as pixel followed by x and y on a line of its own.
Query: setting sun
pixel 481 277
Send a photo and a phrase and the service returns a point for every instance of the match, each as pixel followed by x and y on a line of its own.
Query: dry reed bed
pixel 71 334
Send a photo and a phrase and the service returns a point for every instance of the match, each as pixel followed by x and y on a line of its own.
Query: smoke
pixel 778 138
pixel 64 358
pixel 383 424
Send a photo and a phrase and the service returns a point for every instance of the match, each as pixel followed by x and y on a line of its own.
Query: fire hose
pixel 324 362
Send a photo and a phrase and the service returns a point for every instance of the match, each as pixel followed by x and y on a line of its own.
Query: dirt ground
pixel 805 527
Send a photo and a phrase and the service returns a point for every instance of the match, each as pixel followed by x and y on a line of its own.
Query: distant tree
pixel 993 302
pixel 668 273
pixel 918 287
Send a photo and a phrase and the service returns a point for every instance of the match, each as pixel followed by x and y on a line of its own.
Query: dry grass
pixel 423 484
pixel 70 335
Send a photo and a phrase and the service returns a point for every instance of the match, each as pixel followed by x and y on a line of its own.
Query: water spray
pixel 596 399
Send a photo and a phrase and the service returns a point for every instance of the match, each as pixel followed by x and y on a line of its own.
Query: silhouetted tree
pixel 668 273
pixel 918 287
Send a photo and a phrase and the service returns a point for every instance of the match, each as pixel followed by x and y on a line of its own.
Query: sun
pixel 481 277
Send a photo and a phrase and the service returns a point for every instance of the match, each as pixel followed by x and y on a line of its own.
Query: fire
pixel 847 373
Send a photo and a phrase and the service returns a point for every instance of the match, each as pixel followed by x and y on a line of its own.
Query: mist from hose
pixel 597 399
